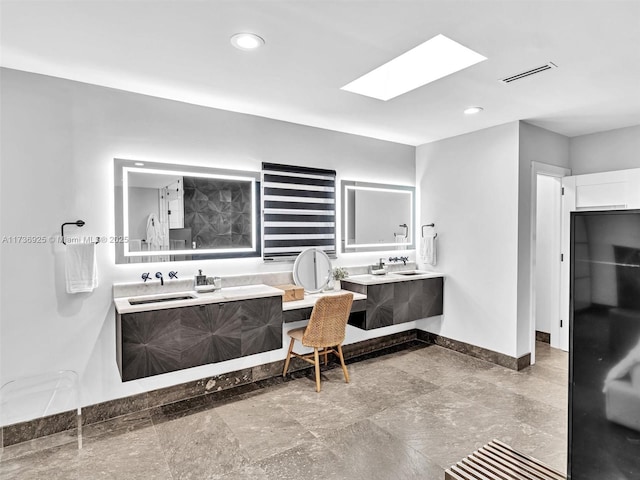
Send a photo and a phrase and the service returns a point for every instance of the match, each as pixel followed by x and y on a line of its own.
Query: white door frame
pixel 538 168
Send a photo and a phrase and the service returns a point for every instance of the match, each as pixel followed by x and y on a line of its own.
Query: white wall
pixel 605 151
pixel 535 145
pixel 59 139
pixel 468 186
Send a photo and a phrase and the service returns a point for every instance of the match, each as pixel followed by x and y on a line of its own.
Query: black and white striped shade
pixel 299 205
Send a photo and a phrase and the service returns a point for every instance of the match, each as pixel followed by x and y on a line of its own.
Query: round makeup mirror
pixel 312 270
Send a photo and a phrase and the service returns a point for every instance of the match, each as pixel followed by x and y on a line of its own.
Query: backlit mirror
pixel 312 270
pixel 168 212
pixel 377 217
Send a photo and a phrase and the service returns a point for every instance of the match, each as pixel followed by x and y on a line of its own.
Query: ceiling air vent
pixel 528 73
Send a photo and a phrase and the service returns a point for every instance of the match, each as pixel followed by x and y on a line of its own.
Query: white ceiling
pixel 180 50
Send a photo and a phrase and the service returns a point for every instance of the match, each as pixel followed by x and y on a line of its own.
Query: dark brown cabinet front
pixel 161 341
pixel 399 302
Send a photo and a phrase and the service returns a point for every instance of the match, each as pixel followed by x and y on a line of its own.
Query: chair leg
pixel 344 367
pixel 317 359
pixel 286 362
pixel 326 356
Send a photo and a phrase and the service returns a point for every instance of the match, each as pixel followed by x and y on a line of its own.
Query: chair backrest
pixel 328 321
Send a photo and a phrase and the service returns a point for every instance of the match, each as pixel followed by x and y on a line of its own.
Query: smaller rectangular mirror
pixel 377 217
pixel 167 212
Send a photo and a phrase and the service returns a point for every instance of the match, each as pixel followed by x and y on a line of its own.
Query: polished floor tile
pixel 409 414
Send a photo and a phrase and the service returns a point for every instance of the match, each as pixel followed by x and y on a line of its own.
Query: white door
pixel 544 266
pixel 548 254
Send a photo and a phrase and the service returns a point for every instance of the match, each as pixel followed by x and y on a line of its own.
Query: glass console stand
pixel 41 396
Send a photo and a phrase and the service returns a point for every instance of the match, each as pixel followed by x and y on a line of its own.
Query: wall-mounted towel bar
pixel 77 223
pixel 406 231
pixel 428 225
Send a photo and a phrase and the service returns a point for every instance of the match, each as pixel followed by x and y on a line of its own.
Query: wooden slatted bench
pixel 498 461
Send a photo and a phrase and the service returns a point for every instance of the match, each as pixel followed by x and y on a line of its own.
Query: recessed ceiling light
pixel 472 110
pixel 429 61
pixel 247 41
pixel 139 164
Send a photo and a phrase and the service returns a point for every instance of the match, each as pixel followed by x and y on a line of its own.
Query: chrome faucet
pixel 159 275
pixel 381 263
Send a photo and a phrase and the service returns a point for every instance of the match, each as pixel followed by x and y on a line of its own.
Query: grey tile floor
pixel 406 415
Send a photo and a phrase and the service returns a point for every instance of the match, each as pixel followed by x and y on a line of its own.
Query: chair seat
pixel 297 333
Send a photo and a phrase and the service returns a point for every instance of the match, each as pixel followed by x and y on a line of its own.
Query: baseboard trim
pixel 543 337
pixel 501 359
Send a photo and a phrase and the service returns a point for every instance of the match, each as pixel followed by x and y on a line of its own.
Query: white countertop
pixel 391 277
pixel 310 299
pixel 226 294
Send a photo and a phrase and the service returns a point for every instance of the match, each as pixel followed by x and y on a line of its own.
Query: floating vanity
pixel 396 298
pixel 161 329
pixel 164 332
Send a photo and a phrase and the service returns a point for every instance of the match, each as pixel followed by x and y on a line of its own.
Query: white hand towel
pixel 81 267
pixel 428 249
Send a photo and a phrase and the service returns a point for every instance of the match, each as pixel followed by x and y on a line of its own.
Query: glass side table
pixel 39 396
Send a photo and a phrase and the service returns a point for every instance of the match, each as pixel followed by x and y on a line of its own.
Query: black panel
pixel 604 397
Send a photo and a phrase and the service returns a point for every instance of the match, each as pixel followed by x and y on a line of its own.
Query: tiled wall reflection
pixel 218 212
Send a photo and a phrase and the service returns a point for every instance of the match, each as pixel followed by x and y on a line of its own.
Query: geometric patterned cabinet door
pixel 399 302
pixel 261 325
pixel 150 343
pixel 161 341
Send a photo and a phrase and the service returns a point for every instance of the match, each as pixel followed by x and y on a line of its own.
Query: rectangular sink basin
pixel 411 272
pixel 161 298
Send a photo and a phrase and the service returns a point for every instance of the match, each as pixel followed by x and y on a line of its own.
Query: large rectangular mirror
pixel 377 217
pixel 167 212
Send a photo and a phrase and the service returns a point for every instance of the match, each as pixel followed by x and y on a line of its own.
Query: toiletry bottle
pixel 201 279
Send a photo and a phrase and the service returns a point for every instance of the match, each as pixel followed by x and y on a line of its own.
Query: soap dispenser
pixel 201 279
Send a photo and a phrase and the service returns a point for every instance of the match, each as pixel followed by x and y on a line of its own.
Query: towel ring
pixel 428 225
pixel 77 223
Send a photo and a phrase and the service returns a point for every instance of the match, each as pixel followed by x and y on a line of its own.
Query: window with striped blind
pixel 299 207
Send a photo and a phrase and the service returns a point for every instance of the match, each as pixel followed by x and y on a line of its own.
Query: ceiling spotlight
pixel 139 164
pixel 246 41
pixel 472 110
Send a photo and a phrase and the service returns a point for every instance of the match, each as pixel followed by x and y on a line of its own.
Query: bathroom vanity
pixel 396 298
pixel 161 329
pixel 167 332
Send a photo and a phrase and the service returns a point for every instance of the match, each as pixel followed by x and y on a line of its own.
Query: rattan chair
pixel 325 330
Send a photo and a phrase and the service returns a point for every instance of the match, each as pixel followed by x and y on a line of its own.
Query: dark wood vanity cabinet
pixel 398 302
pixel 161 341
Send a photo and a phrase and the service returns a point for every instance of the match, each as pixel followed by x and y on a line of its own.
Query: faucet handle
pixel 145 276
pixel 158 274
pixel 173 275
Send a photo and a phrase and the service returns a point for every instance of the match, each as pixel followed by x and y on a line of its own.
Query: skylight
pixel 429 61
